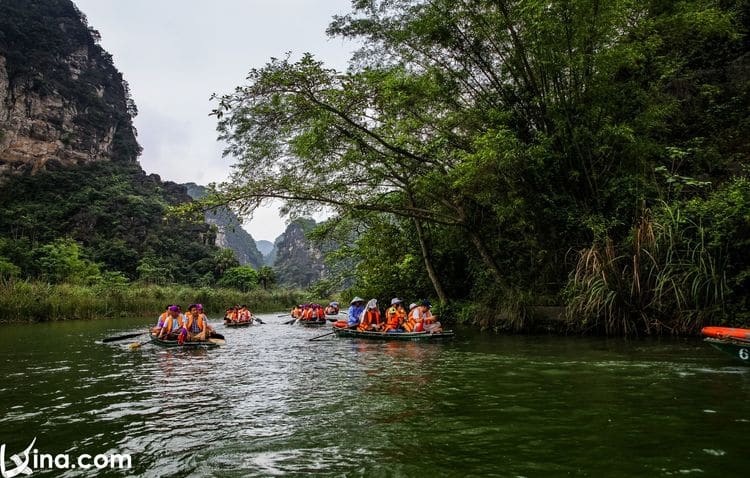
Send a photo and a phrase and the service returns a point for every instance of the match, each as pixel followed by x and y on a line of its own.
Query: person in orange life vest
pixel 296 312
pixel 394 316
pixel 244 314
pixel 371 320
pixel 416 316
pixel 196 323
pixel 410 322
pixel 431 323
pixel 173 323
pixel 306 312
pixel 318 313
pixel 160 322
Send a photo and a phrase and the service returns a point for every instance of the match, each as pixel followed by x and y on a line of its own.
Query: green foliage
pixel 115 213
pixel 61 261
pixel 243 278
pixel 266 277
pixel 8 269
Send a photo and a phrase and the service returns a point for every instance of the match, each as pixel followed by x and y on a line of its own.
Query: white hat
pixel 356 299
pixel 395 301
pixel 412 305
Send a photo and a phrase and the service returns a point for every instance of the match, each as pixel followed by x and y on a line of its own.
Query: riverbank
pixel 26 301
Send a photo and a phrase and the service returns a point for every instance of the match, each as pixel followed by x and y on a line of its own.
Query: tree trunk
pixel 428 263
pixel 489 261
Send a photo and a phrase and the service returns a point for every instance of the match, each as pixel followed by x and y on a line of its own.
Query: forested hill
pixel 75 204
pixel 230 233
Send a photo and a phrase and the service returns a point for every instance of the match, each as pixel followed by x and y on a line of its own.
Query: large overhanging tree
pixel 493 116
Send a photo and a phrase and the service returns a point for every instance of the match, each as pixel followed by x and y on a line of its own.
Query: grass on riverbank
pixel 37 301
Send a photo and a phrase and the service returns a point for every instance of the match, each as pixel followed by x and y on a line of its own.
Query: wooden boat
pixel 726 333
pixel 738 349
pixel 312 323
pixel 214 341
pixel 230 323
pixel 353 333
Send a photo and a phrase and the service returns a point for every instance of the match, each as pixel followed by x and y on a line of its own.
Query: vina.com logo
pixel 30 459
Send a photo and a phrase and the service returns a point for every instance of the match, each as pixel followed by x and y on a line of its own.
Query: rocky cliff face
pixel 298 261
pixel 61 98
pixel 230 234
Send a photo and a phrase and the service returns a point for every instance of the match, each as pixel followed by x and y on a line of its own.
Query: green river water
pixel 272 403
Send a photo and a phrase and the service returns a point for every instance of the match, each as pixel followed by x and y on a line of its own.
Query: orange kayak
pixel 726 333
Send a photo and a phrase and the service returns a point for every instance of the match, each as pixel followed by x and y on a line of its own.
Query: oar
pixel 319 336
pixel 121 337
pixel 259 321
pixel 282 315
pixel 290 321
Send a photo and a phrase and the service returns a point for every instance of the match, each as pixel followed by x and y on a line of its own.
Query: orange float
pixel 726 333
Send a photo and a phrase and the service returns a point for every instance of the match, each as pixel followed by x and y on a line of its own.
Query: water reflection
pixel 271 402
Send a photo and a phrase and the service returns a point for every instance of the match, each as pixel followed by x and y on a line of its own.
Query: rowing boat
pixel 214 341
pixel 353 333
pixel 230 323
pixel 738 349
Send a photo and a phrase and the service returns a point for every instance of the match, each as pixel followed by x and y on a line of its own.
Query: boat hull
pixel 238 324
pixel 187 344
pixel 736 348
pixel 405 336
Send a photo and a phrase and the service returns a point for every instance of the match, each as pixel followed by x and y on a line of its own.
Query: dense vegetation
pixel 512 153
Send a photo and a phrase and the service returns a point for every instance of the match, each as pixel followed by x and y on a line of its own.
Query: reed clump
pixel 664 278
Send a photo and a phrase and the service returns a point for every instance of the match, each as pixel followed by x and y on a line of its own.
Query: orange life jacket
pixel 196 324
pixel 162 318
pixel 371 317
pixel 393 318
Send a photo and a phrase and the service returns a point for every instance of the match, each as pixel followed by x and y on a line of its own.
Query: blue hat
pixel 426 303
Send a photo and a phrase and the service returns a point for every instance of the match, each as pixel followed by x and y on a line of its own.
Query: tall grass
pixel 664 279
pixel 22 300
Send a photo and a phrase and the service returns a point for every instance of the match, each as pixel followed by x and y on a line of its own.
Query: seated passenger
pixel 394 316
pixel 243 314
pixel 356 307
pixel 160 321
pixel 371 320
pixel 296 312
pixel 411 322
pixel 430 321
pixel 196 323
pixel 174 324
pixel 332 309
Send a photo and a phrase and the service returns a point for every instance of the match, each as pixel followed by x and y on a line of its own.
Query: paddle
pixel 282 315
pixel 257 319
pixel 121 337
pixel 290 321
pixel 319 336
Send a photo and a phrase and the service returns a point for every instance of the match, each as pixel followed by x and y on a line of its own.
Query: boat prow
pixel 738 349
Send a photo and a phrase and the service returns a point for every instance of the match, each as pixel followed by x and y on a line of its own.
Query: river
pixel 270 403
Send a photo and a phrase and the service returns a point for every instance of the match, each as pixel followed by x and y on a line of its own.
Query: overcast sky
pixel 176 53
